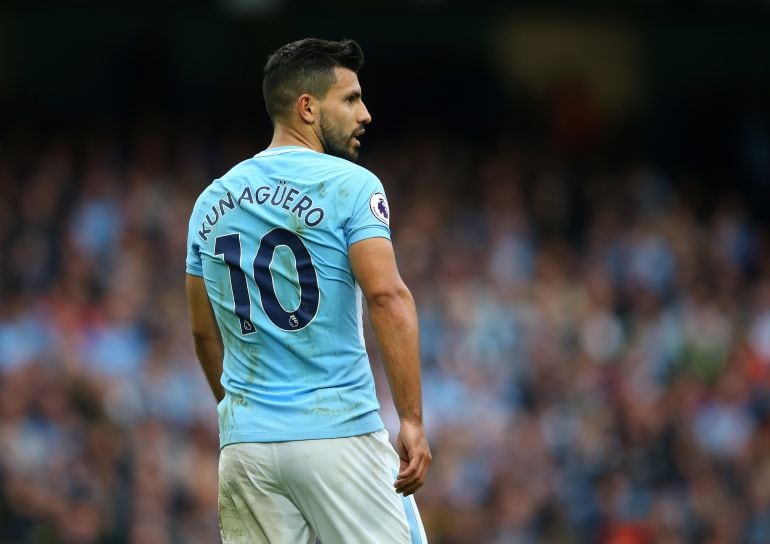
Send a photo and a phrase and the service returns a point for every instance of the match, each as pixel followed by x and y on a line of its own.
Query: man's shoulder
pixel 239 171
pixel 235 175
pixel 212 190
pixel 348 167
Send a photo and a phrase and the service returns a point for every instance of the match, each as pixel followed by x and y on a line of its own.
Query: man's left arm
pixel 205 331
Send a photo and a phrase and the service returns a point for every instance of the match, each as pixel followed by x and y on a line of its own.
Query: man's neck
pixel 284 135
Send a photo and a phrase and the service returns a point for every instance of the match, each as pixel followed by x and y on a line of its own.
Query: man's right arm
pixel 394 319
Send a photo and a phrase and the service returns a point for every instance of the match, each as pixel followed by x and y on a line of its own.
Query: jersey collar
pixel 282 149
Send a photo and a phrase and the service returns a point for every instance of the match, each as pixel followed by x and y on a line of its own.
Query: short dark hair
pixel 305 66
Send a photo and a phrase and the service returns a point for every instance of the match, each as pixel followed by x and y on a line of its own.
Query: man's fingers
pixel 410 476
pixel 416 463
pixel 409 471
pixel 411 487
pixel 410 491
pixel 413 477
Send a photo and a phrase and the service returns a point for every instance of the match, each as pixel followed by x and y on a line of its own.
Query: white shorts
pixel 339 489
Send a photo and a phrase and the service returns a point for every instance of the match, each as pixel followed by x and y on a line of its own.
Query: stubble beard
pixel 335 142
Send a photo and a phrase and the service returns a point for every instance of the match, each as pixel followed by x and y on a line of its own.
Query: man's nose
pixel 364 116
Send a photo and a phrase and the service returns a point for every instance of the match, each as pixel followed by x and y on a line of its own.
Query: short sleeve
pixel 370 216
pixel 193 263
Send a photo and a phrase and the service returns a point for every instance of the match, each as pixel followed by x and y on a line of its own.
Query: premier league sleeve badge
pixel 379 206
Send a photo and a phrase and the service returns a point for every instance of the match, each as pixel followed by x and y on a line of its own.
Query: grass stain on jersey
pixel 322 407
pixel 296 224
pixel 227 414
pixel 238 399
pixel 252 349
pixel 228 339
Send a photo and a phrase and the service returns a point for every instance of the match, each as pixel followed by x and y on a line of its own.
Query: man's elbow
pixel 389 297
pixel 202 337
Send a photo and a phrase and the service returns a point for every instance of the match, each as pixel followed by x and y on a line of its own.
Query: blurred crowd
pixel 596 347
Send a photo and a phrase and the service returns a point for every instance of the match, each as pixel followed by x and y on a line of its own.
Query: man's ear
pixel 307 108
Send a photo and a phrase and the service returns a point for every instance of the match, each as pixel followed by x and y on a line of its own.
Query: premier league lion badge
pixel 379 206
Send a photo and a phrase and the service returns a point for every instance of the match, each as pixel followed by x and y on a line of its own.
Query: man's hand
pixel 413 449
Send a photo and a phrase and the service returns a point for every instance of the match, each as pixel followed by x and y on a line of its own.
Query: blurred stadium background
pixel 580 206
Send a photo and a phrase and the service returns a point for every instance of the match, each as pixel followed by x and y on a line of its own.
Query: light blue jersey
pixel 271 239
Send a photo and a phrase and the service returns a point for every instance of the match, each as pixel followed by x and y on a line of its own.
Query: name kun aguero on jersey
pixel 279 196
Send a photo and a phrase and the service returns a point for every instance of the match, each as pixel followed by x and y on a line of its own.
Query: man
pixel 280 250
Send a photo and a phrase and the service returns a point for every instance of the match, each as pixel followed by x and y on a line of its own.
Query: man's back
pixel 271 240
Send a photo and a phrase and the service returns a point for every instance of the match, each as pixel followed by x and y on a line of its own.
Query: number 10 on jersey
pixel 229 246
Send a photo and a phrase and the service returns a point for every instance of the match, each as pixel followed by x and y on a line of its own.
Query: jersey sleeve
pixel 370 216
pixel 193 263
